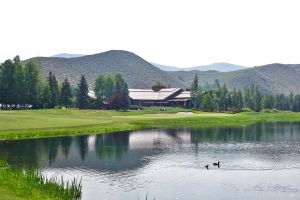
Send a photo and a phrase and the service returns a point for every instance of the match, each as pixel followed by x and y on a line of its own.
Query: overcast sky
pixel 179 33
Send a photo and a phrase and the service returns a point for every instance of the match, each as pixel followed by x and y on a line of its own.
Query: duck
pixel 206 166
pixel 217 164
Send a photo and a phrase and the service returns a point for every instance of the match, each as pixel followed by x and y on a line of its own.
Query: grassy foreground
pixel 20 184
pixel 61 122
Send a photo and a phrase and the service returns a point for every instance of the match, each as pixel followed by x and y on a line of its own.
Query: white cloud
pixel 171 32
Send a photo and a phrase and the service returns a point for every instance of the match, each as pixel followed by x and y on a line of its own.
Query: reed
pixel 32 184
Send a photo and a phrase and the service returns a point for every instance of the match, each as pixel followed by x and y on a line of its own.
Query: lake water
pixel 260 161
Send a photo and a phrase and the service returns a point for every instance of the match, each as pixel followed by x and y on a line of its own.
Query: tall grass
pixel 31 184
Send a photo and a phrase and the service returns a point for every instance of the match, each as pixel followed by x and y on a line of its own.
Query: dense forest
pixel 22 87
pixel 217 98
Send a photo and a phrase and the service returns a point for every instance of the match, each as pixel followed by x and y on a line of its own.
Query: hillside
pixel 275 78
pixel 221 67
pixel 67 55
pixel 137 72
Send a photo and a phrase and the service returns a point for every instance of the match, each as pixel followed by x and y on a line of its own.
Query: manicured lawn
pixel 58 122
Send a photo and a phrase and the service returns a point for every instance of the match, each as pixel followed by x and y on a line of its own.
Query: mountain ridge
pixel 271 78
pixel 220 66
pixel 110 62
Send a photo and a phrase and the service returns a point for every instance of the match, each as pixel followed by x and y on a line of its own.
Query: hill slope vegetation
pixel 272 78
pixel 137 72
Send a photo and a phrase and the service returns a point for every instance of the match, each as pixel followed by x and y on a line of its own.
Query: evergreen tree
pixel 66 93
pixel 217 84
pixel 195 92
pixel 19 81
pixel 31 79
pixel 296 103
pixel 125 96
pixel 247 98
pixel 223 98
pixel 257 100
pixel 83 99
pixel 8 83
pixel 53 85
pixel 290 101
pixel 46 96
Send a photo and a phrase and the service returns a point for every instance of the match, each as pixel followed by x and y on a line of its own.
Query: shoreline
pixel 59 123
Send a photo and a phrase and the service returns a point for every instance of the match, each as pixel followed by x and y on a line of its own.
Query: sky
pixel 180 33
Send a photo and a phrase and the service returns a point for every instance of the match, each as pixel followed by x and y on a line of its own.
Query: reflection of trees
pixel 250 133
pixel 16 152
pixel 174 134
pixel 82 142
pixel 53 149
pixel 65 145
pixel 259 132
pixel 112 146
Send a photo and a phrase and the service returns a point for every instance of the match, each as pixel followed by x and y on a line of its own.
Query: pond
pixel 259 161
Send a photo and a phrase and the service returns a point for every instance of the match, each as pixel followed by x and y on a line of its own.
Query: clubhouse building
pixel 169 97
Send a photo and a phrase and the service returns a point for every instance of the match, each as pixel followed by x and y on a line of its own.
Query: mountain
pixel 137 72
pixel 167 68
pixel 67 55
pixel 272 78
pixel 221 67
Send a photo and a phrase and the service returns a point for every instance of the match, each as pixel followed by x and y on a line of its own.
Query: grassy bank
pixel 18 184
pixel 54 122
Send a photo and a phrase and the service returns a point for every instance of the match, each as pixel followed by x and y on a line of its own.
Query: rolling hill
pixel 67 55
pixel 221 67
pixel 137 72
pixel 272 78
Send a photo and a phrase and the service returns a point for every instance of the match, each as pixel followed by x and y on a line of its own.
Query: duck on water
pixel 217 164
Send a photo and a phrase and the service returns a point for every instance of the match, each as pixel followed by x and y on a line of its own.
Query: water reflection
pixel 130 150
pixel 112 146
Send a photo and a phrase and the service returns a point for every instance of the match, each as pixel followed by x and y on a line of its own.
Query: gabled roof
pixel 148 94
pixel 184 95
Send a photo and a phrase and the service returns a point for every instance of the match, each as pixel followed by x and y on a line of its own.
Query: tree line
pixel 22 84
pixel 217 98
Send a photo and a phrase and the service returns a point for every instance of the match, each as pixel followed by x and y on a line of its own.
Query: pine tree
pixel 53 85
pixel 217 84
pixel 46 96
pixel 19 81
pixel 83 99
pixel 195 92
pixel 125 96
pixel 31 79
pixel 223 99
pixel 66 94
pixel 257 100
pixel 240 103
pixel 8 83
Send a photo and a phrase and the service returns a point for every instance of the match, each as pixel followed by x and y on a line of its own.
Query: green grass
pixel 56 122
pixel 31 184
